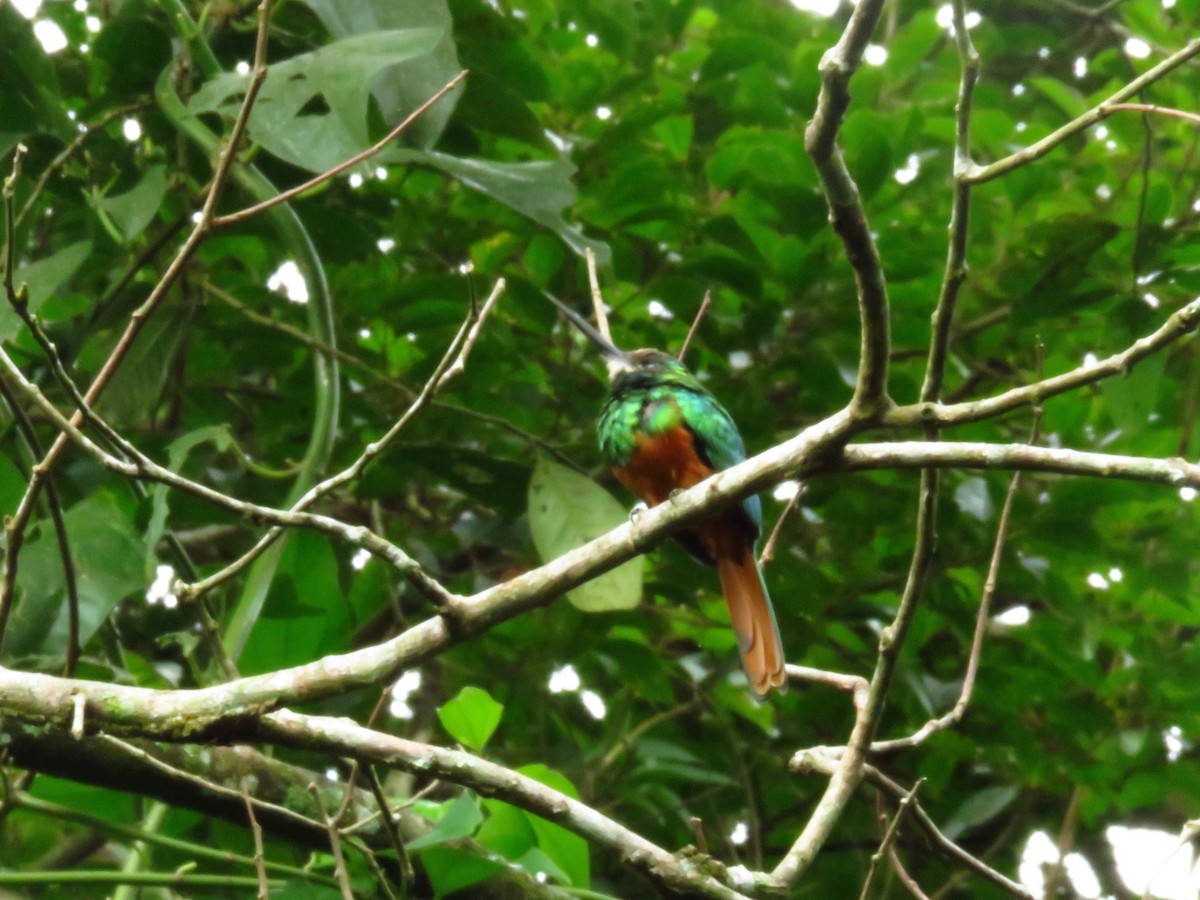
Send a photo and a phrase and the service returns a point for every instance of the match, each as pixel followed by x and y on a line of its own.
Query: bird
pixel 661 431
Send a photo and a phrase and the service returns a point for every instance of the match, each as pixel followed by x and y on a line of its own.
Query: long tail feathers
pixel 753 619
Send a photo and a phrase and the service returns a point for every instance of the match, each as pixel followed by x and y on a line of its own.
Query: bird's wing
pixel 716 439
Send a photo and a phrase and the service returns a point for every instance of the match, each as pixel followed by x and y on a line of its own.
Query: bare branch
pixel 258 75
pixel 1020 457
pixel 1160 110
pixel 345 738
pixel 943 844
pixel 889 837
pixel 956 254
pixel 979 174
pixel 854 684
pixel 687 341
pixel 954 716
pixel 768 552
pixel 1182 322
pixel 260 866
pixel 846 210
pixel 284 196
pixel 597 299
pixel 452 363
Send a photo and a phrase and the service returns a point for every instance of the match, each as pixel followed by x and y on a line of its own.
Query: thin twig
pixel 1182 322
pixel 907 880
pixel 943 844
pixel 142 467
pixel 846 211
pixel 370 371
pixel 768 552
pixel 187 849
pixel 283 197
pixel 352 777
pixel 389 823
pixel 17 299
pixel 1161 111
pixel 452 363
pixel 687 341
pixel 978 174
pixel 597 298
pixel 855 685
pixel 20 518
pixel 71 149
pixel 954 716
pixel 258 75
pixel 631 737
pixel 10 240
pixel 955 272
pixel 260 865
pixel 335 845
pixel 889 838
pixel 54 504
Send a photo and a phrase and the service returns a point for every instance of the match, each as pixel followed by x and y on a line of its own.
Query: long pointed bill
pixel 614 359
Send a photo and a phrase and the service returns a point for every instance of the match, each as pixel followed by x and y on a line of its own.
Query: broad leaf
pixel 109 566
pixel 567 510
pixel 471 717
pixel 338 77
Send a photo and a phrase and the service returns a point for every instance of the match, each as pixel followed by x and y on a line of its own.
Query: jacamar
pixel 661 431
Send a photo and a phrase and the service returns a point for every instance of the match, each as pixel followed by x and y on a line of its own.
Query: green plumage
pixel 659 395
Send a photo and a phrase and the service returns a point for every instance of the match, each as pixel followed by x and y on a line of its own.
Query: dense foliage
pixel 667 136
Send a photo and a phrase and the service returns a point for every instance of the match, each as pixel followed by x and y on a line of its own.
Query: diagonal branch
pixel 242 214
pixel 1181 323
pixel 978 174
pixel 453 362
pixel 345 738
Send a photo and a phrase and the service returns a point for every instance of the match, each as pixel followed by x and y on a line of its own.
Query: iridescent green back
pixel 659 395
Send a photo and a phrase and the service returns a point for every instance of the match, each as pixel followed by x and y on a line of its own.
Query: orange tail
pixel 753 619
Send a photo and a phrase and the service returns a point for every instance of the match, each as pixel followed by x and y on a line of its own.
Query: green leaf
pixel 133 393
pixel 538 862
pixel 132 211
pixel 506 830
pixel 12 487
pixel 567 510
pixel 304 615
pixel 43 278
pixel 109 566
pixel 338 77
pixel 177 454
pixel 567 849
pixel 471 717
pixel 451 870
pixel 539 190
pixel 1062 95
pixel 980 807
pixel 401 88
pixel 459 819
pixel 868 151
pixel 1131 398
pixel 675 134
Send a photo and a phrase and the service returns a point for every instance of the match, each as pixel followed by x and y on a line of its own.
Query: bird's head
pixel 646 364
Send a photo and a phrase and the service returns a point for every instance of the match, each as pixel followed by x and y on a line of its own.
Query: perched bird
pixel 661 431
